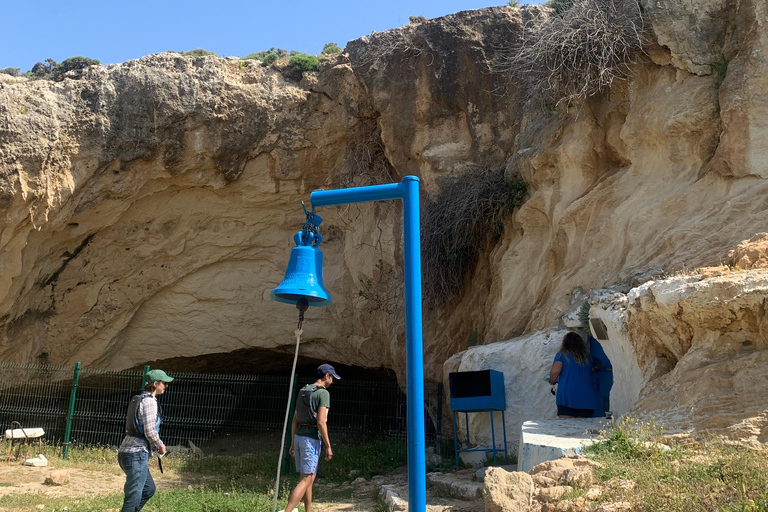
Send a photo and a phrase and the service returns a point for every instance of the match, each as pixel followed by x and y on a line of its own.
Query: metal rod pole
pixel 455 441
pixel 408 191
pixel 466 420
pixel 71 411
pixel 439 426
pixel 288 439
pixel 359 194
pixel 504 427
pixel 493 438
pixel 414 359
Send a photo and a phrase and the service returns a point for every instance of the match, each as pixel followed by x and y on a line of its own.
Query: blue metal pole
pixel 408 191
pixel 360 194
pixel 504 426
pixel 414 353
pixel 493 438
pixel 455 441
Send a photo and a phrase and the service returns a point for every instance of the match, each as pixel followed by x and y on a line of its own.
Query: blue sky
pixel 117 30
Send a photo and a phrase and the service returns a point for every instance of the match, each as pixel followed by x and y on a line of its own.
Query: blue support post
pixel 504 428
pixel 408 191
pixel 466 423
pixel 455 441
pixel 493 438
pixel 439 427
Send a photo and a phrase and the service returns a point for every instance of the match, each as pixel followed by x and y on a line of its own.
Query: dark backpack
pixel 305 414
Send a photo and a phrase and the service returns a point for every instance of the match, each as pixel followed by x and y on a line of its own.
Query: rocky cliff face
pixel 148 207
pixel 688 353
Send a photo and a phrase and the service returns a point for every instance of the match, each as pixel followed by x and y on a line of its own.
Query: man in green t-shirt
pixel 309 432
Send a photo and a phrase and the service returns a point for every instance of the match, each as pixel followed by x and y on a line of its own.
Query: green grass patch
pixel 232 484
pixel 230 498
pixel 224 499
pixel 228 468
pixel 369 459
pixel 32 502
pixel 713 477
pixel 721 68
pixel 98 458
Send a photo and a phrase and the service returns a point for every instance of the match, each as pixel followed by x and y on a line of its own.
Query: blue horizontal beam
pixel 357 195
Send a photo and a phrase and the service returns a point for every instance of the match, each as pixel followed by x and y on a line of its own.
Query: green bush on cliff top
pixel 197 52
pixel 331 49
pixel 53 70
pixel 303 62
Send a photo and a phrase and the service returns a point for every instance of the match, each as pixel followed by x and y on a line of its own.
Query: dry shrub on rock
pixel 578 48
pixel 456 223
pixel 367 162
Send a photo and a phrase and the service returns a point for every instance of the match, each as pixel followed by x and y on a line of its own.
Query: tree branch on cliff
pixel 403 42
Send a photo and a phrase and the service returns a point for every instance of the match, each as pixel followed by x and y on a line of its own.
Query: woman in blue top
pixel 573 367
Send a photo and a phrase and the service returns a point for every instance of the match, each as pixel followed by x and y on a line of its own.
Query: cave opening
pixel 235 402
pixel 225 403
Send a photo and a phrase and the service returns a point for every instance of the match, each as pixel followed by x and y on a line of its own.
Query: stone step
pixel 544 440
pixel 457 485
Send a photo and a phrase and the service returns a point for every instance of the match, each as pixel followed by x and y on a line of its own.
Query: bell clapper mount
pixel 302 305
pixel 311 225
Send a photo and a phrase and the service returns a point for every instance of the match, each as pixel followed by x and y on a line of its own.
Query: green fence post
pixel 146 370
pixel 286 466
pixel 71 413
pixel 439 426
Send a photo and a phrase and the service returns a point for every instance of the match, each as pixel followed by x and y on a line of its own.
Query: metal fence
pixel 202 408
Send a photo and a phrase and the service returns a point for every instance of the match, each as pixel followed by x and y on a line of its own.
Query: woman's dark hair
pixel 574 346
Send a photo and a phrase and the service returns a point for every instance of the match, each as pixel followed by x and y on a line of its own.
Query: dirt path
pixel 18 479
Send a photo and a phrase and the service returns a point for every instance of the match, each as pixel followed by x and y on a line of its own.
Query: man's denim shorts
pixel 307 453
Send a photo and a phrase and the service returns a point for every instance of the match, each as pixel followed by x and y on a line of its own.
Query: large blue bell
pixel 304 275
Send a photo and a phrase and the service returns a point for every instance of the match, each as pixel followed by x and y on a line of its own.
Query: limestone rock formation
pixel 688 351
pixel 505 491
pixel 752 253
pixel 148 207
pixel 693 353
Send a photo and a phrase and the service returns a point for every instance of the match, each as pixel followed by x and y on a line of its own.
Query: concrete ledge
pixel 545 440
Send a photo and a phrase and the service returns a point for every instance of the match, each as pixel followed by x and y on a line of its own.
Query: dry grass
pixel 635 468
pixel 578 48
pixel 367 163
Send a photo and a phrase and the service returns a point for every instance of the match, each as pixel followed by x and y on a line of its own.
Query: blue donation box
pixel 478 391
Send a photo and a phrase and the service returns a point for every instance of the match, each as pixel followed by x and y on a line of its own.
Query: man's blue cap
pixel 326 369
